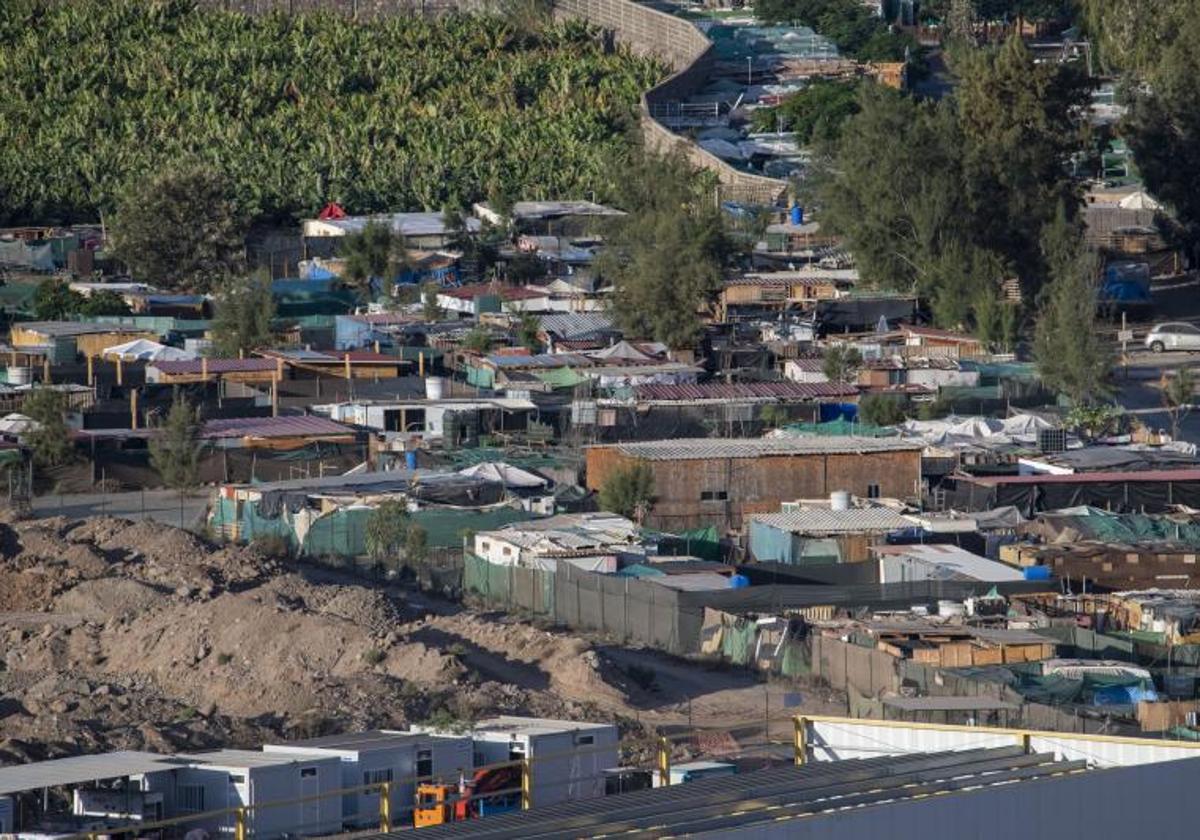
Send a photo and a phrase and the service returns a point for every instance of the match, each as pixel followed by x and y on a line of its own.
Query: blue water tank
pixel 410 460
pixel 739 582
pixel 1037 573
pixel 797 214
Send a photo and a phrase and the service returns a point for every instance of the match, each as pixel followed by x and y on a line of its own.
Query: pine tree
pixel 1072 356
pixel 175 453
pixel 245 308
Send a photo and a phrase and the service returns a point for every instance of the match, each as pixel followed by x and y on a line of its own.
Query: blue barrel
pixel 739 582
pixel 797 214
pixel 410 459
pixel 1037 573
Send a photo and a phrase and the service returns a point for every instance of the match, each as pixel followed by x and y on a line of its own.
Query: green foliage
pixel 178 229
pixel 1133 34
pixel 1093 421
pixel 402 111
pixel 478 340
pixel 774 416
pixel 416 545
pixel 528 331
pixel 997 10
pixel 54 300
pixel 244 309
pixel 105 302
pixel 374 253
pixel 950 199
pixel 628 491
pixel 816 114
pixel 175 453
pixel 856 30
pixel 1163 131
pixel 50 441
pixel 373 656
pixel 387 530
pixel 666 255
pixel 882 410
pixel 841 363
pixel 1072 357
pixel 431 311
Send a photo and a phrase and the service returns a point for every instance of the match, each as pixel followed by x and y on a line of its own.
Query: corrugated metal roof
pixel 215 366
pixel 572 324
pixel 745 390
pixel 827 521
pixel 300 426
pixel 694 449
pixel 83 768
pixel 56 329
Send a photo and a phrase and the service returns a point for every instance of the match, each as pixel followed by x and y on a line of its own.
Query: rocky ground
pixel 121 635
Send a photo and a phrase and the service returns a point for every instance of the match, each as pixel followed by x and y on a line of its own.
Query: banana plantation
pixel 407 113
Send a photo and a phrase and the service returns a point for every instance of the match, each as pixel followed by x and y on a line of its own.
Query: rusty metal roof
pixel 299 426
pixel 216 366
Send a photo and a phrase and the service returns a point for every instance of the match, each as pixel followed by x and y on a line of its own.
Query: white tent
pixel 509 475
pixel 1140 200
pixel 144 350
pixel 17 424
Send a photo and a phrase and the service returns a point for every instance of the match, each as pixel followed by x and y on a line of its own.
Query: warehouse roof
pixel 373 739
pixel 763 798
pixel 82 768
pixel 1085 478
pixel 698 449
pixel 828 521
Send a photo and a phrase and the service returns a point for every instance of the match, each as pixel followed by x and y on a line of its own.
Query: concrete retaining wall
pixel 644 31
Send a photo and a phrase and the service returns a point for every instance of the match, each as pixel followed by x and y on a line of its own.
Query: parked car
pixel 1173 337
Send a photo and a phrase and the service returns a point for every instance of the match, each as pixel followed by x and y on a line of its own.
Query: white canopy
pixel 1140 200
pixel 17 424
pixel 509 475
pixel 144 350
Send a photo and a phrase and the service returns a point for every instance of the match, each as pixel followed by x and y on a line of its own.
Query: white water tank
pixel 951 609
pixel 839 500
pixel 20 375
pixel 435 387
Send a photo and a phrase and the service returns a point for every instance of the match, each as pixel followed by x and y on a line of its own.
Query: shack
pixel 719 481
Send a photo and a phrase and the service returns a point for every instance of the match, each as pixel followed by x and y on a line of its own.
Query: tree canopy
pixel 1072 356
pixel 180 228
pixel 175 453
pixel 816 113
pixel 949 200
pixel 628 491
pixel 50 440
pixel 666 255
pixel 244 311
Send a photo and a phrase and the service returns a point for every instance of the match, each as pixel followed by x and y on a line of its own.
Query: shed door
pixel 310 806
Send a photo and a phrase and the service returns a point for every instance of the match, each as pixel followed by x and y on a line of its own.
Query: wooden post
pixel 421 364
pixel 46 370
pixel 800 746
pixel 120 372
pixel 385 807
pixel 133 408
pixel 1026 746
pixel 204 368
pixel 664 762
pixel 377 347
pixel 91 371
pixel 526 784
pixel 278 368
pixel 274 397
pixel 346 360
pixel 239 824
